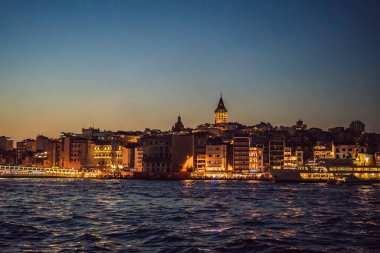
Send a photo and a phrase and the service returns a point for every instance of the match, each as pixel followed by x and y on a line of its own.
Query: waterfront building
pixel 322 152
pixel 54 154
pixel 138 159
pixel 293 157
pixel 108 156
pixel 7 153
pixel 157 153
pixel 40 157
pixel 256 159
pixel 24 152
pixel 6 143
pixel 357 126
pixel 42 143
pixel 241 147
pixel 347 151
pixel 46 154
pixel 276 153
pixel 200 143
pixel 104 155
pixel 221 113
pixel 76 152
pixel 216 164
pixel 168 153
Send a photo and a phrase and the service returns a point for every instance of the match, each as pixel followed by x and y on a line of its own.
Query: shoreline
pixel 139 178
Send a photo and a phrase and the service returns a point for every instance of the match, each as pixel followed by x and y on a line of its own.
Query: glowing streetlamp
pixel 366 159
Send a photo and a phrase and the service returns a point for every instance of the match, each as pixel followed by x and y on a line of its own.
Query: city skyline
pixel 127 65
pixel 214 122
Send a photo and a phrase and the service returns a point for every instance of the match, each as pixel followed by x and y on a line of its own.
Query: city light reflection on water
pixel 52 215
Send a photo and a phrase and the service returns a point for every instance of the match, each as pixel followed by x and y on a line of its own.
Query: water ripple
pixel 75 215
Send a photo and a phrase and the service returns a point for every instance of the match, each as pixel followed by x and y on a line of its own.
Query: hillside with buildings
pixel 218 150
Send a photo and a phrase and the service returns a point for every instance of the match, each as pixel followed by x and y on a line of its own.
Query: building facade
pixel 200 143
pixel 138 159
pixel 108 156
pixel 157 154
pixel 216 166
pixel 24 152
pixel 377 158
pixel 256 159
pixel 241 148
pixel 321 153
pixel 76 152
pixel 6 143
pixel 276 153
pixel 347 151
pixel 293 157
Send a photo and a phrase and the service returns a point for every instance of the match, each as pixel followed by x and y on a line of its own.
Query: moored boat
pixel 362 174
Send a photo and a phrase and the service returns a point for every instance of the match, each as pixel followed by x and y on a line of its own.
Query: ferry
pixel 325 173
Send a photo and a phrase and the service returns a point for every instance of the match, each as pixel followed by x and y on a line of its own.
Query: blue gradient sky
pixel 127 65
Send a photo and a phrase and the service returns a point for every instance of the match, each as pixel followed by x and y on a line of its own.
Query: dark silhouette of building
pixel 357 126
pixel 178 126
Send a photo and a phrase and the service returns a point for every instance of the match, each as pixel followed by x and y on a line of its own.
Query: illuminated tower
pixel 221 114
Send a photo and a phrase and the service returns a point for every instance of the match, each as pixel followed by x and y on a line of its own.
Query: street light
pixel 366 159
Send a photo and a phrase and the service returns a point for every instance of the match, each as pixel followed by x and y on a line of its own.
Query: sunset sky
pixel 130 65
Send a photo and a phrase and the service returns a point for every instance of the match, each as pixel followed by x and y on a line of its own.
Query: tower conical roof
pixel 221 107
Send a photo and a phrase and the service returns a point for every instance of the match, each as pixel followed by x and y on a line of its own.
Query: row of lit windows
pixel 106 148
pixel 214 156
pixel 255 154
pixel 109 154
pixel 349 150
pixel 214 162
pixel 215 169
pixel 353 169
